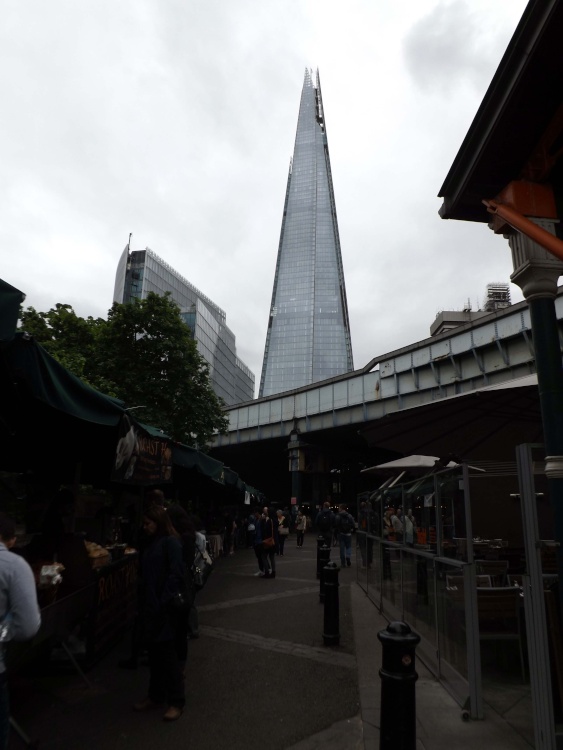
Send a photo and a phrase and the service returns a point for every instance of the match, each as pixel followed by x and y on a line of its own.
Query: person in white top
pixel 20 617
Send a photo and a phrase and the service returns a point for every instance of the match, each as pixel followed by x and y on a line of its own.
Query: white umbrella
pixel 414 462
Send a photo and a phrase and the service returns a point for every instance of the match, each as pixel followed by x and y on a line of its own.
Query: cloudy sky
pixel 175 120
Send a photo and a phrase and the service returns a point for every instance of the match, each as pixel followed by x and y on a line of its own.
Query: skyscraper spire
pixel 308 336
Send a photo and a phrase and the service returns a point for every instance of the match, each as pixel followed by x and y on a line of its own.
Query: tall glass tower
pixel 308 335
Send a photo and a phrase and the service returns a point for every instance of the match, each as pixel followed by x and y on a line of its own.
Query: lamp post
pixel 295 459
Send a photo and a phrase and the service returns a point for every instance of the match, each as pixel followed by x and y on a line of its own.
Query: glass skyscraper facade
pixel 308 336
pixel 142 271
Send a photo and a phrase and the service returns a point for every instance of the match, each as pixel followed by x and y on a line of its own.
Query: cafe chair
pixel 515 580
pixel 483 581
pixel 496 569
pixel 461 547
pixel 499 617
pixel 455 589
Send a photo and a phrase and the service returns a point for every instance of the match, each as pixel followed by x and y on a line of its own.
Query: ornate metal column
pixel 536 272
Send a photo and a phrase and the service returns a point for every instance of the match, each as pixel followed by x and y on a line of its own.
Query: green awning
pixel 41 377
pixel 10 302
pixel 190 458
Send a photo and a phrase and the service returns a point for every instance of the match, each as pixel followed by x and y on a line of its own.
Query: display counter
pixel 88 621
pixel 114 607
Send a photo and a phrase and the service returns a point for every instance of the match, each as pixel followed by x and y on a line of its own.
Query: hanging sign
pixel 141 458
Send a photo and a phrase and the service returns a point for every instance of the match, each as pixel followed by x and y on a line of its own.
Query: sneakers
pixel 258 573
pixel 172 713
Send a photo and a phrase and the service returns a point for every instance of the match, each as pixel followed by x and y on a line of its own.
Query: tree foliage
pixel 143 354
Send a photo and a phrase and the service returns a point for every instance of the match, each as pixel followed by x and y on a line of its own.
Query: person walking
pixel 268 544
pixel 229 533
pixel 20 617
pixel 397 525
pixel 283 530
pixel 325 523
pixel 162 578
pixel 257 541
pixel 344 525
pixel 300 527
pixel 410 528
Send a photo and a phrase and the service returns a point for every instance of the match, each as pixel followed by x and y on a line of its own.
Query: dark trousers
pixel 269 559
pixel 281 543
pixel 300 536
pixel 166 683
pixel 181 640
pixel 4 711
pixel 258 553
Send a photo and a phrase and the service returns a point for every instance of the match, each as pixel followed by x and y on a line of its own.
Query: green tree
pixel 68 338
pixel 149 353
pixel 143 354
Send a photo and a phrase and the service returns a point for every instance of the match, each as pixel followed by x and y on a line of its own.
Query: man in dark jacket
pixel 344 526
pixel 324 523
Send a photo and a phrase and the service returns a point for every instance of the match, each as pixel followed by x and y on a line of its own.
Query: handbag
pixel 269 542
pixel 283 531
pixel 202 568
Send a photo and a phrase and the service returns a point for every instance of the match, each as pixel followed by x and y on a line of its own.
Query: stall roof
pixel 523 97
pixel 51 418
pixel 10 301
pixel 41 377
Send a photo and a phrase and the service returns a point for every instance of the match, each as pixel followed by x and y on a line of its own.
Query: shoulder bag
pixel 269 542
pixel 201 569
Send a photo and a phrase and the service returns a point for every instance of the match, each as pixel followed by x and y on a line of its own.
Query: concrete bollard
pixel 331 634
pixel 320 543
pixel 398 678
pixel 324 554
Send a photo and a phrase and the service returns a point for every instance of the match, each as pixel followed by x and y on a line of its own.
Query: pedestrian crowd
pixel 176 553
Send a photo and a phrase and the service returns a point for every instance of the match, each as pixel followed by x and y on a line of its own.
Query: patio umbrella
pixel 414 463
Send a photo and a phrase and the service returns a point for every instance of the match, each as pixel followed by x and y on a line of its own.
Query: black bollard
pixel 331 634
pixel 320 543
pixel 398 677
pixel 324 554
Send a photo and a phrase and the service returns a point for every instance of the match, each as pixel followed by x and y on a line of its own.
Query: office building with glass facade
pixel 142 271
pixel 308 337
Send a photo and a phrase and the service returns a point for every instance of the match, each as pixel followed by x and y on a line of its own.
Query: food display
pixel 99 556
pixel 48 577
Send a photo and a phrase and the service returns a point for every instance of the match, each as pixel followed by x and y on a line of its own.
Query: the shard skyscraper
pixel 308 335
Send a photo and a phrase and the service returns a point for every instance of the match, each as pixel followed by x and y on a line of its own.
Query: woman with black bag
pixel 164 597
pixel 188 621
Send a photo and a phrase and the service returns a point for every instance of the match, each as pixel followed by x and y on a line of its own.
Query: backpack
pixel 325 523
pixel 346 523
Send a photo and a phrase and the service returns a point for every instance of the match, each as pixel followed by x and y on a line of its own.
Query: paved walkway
pixel 258 677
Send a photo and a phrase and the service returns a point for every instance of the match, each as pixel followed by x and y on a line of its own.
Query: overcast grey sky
pixel 175 120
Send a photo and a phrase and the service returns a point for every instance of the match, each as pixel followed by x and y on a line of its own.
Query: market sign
pixel 141 458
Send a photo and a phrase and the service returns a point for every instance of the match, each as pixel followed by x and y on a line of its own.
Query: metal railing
pixel 436 596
